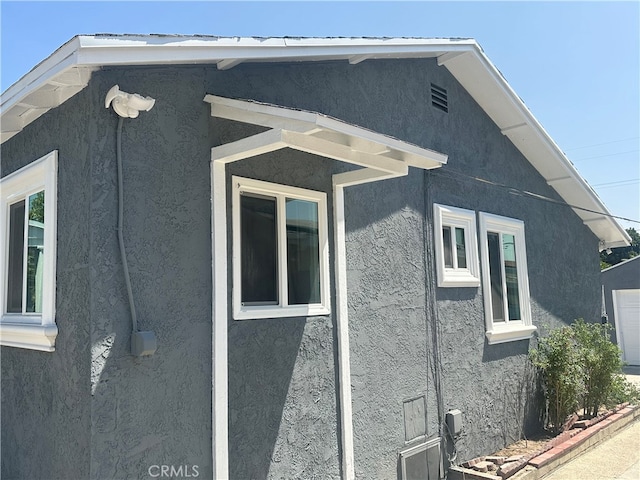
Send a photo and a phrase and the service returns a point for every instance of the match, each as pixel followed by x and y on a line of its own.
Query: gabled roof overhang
pixel 67 71
pixel 375 154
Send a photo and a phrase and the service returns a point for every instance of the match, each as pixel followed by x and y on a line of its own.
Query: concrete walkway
pixel 617 458
pixel 632 372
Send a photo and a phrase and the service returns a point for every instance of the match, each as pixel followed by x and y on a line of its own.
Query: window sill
pixel 254 313
pixel 510 334
pixel 29 336
pixel 460 278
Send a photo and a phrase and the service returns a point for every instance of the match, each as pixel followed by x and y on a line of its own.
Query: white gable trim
pixel 68 70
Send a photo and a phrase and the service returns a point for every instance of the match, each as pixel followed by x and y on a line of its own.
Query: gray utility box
pixel 454 422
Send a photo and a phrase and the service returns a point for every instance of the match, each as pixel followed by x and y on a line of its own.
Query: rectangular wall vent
pixel 439 98
pixel 422 462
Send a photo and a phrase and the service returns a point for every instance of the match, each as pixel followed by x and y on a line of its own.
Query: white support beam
pixel 362 175
pixel 219 340
pixel 510 128
pixel 13 123
pixel 443 59
pixel 555 181
pixel 599 218
pixel 258 144
pixel 228 63
pixel 325 148
pixel 390 142
pixel 354 60
pixel 228 112
pixel 342 320
pixel 249 110
pixel 43 99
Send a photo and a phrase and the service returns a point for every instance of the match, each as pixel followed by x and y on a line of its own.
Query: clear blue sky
pixel 576 65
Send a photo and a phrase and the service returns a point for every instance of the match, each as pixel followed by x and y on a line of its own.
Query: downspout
pixel 340 182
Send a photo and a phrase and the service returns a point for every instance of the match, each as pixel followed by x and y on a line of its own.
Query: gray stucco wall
pixel 95 411
pixel 153 410
pixel 490 383
pixel 282 377
pixel 407 338
pixel 46 400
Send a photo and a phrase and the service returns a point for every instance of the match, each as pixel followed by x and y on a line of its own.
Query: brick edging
pixel 557 451
pixel 603 427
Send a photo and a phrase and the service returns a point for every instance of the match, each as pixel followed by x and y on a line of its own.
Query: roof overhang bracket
pixel 378 155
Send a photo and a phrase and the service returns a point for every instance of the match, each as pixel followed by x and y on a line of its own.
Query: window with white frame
pixel 28 255
pixel 456 247
pixel 280 251
pixel 505 279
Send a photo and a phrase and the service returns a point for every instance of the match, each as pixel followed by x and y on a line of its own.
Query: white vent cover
pixel 422 462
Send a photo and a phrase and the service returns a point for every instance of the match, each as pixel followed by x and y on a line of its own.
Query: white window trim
pixel 33 331
pixel 445 216
pixel 241 312
pixel 509 330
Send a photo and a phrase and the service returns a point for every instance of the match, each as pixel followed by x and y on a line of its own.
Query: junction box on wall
pixel 453 419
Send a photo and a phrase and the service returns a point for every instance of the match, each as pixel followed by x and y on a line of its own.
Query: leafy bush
pixel 622 390
pixel 579 367
pixel 556 359
pixel 600 361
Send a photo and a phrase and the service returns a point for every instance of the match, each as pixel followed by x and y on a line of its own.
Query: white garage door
pixel 626 304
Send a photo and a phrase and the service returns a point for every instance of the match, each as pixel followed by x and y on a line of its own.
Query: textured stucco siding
pixel 385 242
pixel 46 399
pixel 408 339
pixel 491 384
pixel 282 372
pixel 152 410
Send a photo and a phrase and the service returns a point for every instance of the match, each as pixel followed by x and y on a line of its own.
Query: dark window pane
pixel 446 243
pixel 303 252
pixel 35 253
pixel 461 251
pixel 511 276
pixel 16 257
pixel 259 250
pixel 495 274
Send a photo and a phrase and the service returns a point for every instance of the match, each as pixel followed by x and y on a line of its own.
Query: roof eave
pixel 68 69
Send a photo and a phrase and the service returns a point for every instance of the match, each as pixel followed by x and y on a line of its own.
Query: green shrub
pixel 600 361
pixel 579 367
pixel 557 362
pixel 622 390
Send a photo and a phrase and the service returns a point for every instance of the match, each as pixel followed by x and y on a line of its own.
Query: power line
pixel 525 193
pixel 620 183
pixel 606 155
pixel 604 143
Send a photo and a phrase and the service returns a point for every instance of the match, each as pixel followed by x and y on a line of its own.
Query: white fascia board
pixel 125 50
pixel 624 262
pixel 59 61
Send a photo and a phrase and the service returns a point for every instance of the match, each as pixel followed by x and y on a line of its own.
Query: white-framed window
pixel 28 204
pixel 505 280
pixel 280 251
pixel 456 247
